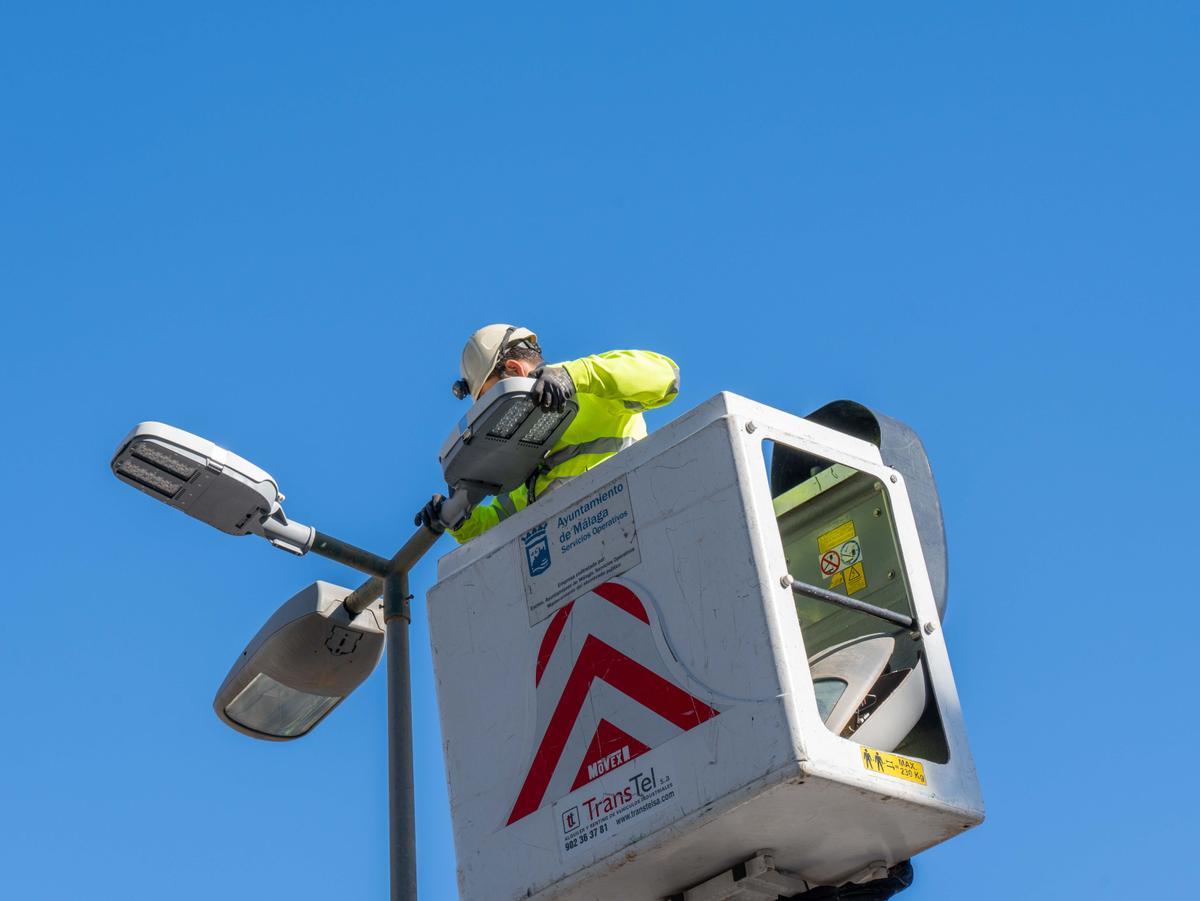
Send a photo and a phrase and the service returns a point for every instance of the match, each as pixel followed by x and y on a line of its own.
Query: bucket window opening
pixel 838 533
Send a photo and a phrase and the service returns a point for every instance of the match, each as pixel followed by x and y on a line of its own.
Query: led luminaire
pixel 196 476
pixel 304 661
pixel 502 439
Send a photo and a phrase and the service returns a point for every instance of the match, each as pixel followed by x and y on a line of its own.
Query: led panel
pixel 150 476
pixel 164 459
pixel 512 419
pixel 543 427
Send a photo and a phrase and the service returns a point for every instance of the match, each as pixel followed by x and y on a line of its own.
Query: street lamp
pixel 503 437
pixel 208 482
pixel 323 642
pixel 304 660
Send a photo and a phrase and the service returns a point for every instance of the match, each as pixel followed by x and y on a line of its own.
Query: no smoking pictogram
pixel 831 562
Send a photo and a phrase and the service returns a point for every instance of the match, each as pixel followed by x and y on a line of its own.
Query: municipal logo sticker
pixel 537 550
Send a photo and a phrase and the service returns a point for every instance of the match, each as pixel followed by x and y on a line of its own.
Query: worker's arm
pixel 485 516
pixel 641 378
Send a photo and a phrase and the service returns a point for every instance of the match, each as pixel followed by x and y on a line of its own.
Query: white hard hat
pixel 482 352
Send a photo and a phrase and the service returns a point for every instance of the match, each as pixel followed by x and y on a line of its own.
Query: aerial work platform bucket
pixel 721 641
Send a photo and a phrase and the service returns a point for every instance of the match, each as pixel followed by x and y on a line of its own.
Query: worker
pixel 612 390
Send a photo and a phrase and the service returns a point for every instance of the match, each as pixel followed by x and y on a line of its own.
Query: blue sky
pixel 275 225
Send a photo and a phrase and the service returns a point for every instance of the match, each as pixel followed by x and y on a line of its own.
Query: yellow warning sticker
pixel 893 765
pixel 856 578
pixel 837 550
pixel 835 537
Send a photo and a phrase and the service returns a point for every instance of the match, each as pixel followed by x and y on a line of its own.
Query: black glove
pixel 553 388
pixel 430 515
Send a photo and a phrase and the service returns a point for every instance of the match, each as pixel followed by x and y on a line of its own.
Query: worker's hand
pixel 429 516
pixel 553 388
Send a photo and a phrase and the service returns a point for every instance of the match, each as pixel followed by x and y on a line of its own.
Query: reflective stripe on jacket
pixel 613 389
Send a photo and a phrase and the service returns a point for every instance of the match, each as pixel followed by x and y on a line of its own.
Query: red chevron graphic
pixel 609 741
pixel 599 660
pixel 617 595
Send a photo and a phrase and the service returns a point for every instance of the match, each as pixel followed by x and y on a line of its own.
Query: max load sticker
pixel 840 558
pixel 893 765
pixel 576 550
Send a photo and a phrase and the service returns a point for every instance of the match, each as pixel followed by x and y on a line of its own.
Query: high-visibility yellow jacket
pixel 612 389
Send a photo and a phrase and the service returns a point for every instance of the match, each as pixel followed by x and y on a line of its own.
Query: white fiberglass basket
pixel 626 678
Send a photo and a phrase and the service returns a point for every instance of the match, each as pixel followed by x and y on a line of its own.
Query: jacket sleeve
pixel 641 379
pixel 485 516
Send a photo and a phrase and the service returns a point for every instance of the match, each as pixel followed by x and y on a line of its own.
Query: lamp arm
pixel 287 535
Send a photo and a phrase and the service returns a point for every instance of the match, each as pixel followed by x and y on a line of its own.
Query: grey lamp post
pixel 278 689
pixel 230 493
